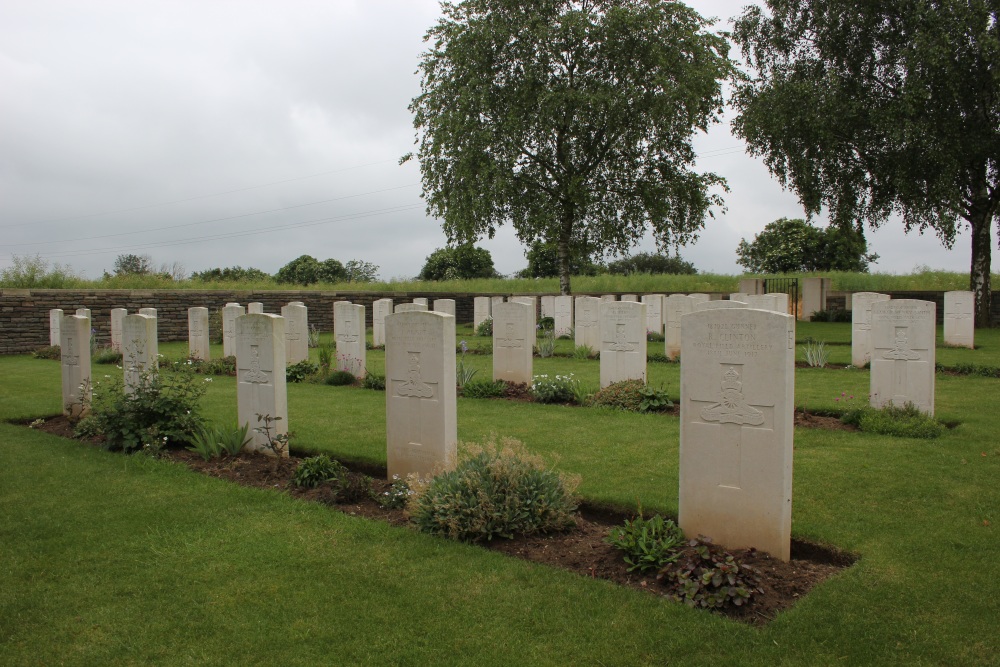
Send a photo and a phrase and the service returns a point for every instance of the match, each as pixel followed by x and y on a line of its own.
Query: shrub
pixel 904 422
pixel 106 355
pixel 340 378
pixel 560 389
pixel 648 544
pixel 485 327
pixel 162 409
pixel 659 358
pixel 298 372
pixel 634 396
pixel 210 442
pixel 373 381
pixel 325 358
pixel 547 323
pixel 397 495
pixel 48 352
pixel 655 337
pixel 830 316
pixel 547 346
pixel 220 366
pixel 707 576
pixel 583 352
pixel 484 388
pixel 315 470
pixel 495 491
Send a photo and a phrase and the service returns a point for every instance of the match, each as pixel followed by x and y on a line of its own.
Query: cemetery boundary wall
pixel 24 313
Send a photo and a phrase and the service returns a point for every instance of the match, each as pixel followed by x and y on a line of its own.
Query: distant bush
pixel 632 395
pixel 373 381
pixel 485 327
pixel 484 388
pixel 340 378
pixel 48 352
pixel 905 422
pixel 830 316
pixel 645 262
pixel 106 355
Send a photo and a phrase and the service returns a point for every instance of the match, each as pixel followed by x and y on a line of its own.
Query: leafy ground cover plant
pixel 396 495
pixel 484 388
pixel 107 355
pixel 497 490
pixel 213 441
pixel 971 369
pixel 299 372
pixel 315 470
pixel 634 396
pixel 485 327
pixel 906 421
pixel 463 374
pixel 707 576
pixel 374 381
pixel 655 337
pixel 340 378
pixel 648 544
pixel 48 352
pixel 583 352
pixel 557 389
pixel 547 345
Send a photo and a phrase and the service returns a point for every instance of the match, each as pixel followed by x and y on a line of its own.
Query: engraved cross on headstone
pixel 411 392
pixel 728 413
pixel 292 329
pixel 350 334
pixel 70 356
pixel 900 354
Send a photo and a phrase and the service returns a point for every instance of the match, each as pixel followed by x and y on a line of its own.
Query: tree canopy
pixel 307 270
pixel 569 118
pixel 464 261
pixel 543 260
pixel 875 109
pixel 647 262
pixel 793 246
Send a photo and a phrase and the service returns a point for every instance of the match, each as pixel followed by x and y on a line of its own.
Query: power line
pixel 203 222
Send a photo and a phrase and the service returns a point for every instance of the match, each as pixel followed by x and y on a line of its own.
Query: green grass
pixel 114 560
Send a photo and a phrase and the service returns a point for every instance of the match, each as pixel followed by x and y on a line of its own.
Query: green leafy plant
pixel 340 378
pixel 325 358
pixel 313 471
pixel 373 381
pixel 463 374
pixel 659 358
pixel 547 344
pixel 830 316
pixel 547 323
pixel 313 340
pixel 219 366
pixel 497 490
pixel 816 353
pixel 648 544
pixel 485 328
pixel 707 576
pixel 203 442
pixel 276 443
pixel 634 396
pixel 558 389
pixel 396 496
pixel 583 352
pixel 106 355
pixel 484 389
pixel 299 372
pixel 48 352
pixel 655 337
pixel 906 421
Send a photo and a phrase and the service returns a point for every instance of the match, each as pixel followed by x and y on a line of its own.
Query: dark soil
pixel 581 549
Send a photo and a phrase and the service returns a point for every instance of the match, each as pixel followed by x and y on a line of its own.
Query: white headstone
pixel 700 298
pixel 140 349
pixel 609 298
pixel 380 310
pixel 446 306
pixel 421 301
pixel 229 314
pixel 959 319
pixel 420 406
pixel 260 378
pixel 513 342
pixel 588 322
pixel 758 301
pixel 903 354
pixel 83 312
pixel 562 309
pixel 674 307
pixel 148 312
pixel 630 298
pixel 623 342
pixel 74 349
pixel 861 326
pixel 349 332
pixel 117 315
pixel 739 296
pixel 481 310
pixel 255 308
pixel 530 300
pixel 548 306
pixel 719 305
pixel 55 325
pixel 198 333
pixel 751 286
pixel 654 312
pixel 296 316
pixel 494 300
pixel 738 398
pixel 411 308
pixel 779 302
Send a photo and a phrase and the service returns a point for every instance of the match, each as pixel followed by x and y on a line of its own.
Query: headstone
pixel 562 309
pixel 148 312
pixel 654 312
pixel 548 306
pixel 260 378
pixel 814 292
pixel 421 301
pixel 410 308
pixel 296 316
pixel 255 308
pixel 609 298
pixel 779 302
pixel 758 301
pixel 861 326
pixel 420 407
pixel 380 310
pixel 55 325
pixel 83 312
pixel 349 332
pixel 700 298
pixel 739 296
pixel 140 349
pixel 481 310
pixel 198 333
pixel 738 398
pixel 494 300
pixel 513 342
pixel 674 307
pixel 588 322
pixel 959 319
pixel 74 349
pixel 229 314
pixel 446 306
pixel 630 298
pixel 717 305
pixel 903 354
pixel 530 300
pixel 623 342
pixel 117 315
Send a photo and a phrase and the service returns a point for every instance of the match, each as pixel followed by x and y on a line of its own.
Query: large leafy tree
pixel 463 261
pixel 568 119
pixel 787 246
pixel 880 108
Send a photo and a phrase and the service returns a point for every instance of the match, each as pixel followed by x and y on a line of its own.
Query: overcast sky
pixel 218 133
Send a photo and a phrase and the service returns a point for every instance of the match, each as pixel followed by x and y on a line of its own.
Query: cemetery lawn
pixel 108 559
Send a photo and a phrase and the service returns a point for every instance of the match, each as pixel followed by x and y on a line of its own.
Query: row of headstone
pixel 349 334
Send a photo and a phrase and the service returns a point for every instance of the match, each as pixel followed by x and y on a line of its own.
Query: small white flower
pixel 208 379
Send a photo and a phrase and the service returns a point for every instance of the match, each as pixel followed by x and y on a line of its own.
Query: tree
pixel 133 265
pixel 646 262
pixel 568 118
pixel 358 271
pixel 872 109
pixel 543 260
pixel 231 274
pixel 464 261
pixel 791 246
pixel 307 270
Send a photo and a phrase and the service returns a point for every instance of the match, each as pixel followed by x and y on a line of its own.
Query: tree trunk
pixel 979 275
pixel 563 249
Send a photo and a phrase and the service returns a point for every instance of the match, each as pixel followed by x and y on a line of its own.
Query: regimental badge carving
pixel 350 330
pixel 70 357
pixel 510 337
pixel 732 407
pixel 901 348
pixel 293 330
pixel 254 375
pixel 414 385
pixel 621 343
